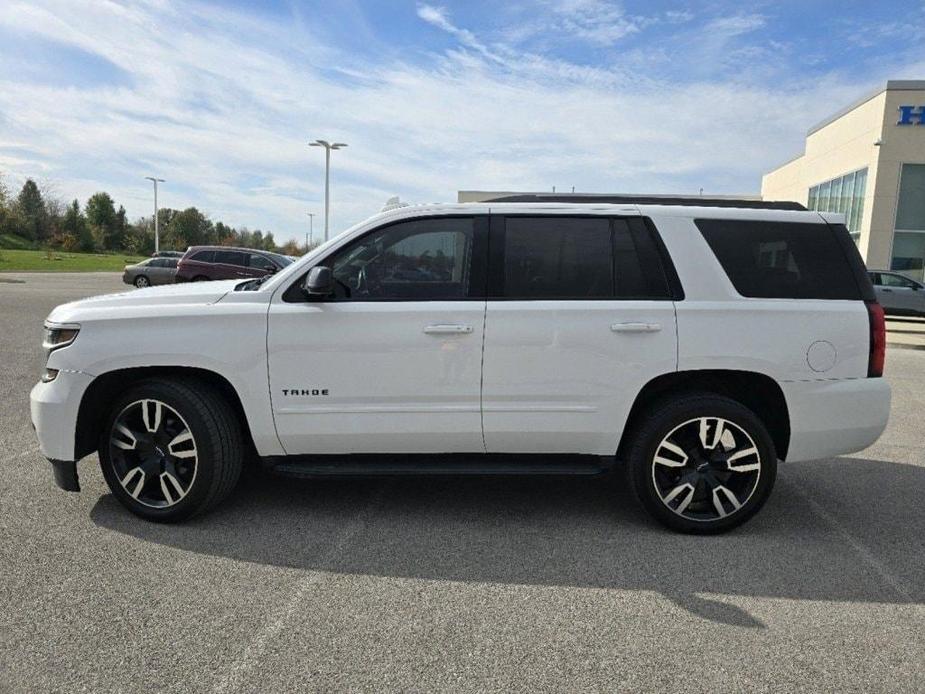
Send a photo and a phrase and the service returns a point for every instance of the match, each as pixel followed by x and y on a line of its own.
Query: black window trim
pixel 496 245
pixel 478 285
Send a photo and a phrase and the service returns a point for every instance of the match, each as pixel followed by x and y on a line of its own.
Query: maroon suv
pixel 223 263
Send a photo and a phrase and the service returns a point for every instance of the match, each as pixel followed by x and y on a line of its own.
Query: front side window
pixel 425 259
pixel 897 281
pixel 260 262
pixel 203 256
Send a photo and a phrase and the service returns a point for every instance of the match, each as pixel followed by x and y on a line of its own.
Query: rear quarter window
pixel 782 260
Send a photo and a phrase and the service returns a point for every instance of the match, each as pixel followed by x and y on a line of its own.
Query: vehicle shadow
pixel 845 529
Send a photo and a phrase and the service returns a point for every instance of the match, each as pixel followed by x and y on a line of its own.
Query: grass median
pixel 60 261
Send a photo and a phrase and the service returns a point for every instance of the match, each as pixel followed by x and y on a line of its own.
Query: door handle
pixel 636 327
pixel 448 329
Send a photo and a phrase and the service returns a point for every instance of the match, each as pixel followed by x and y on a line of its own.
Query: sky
pixel 221 99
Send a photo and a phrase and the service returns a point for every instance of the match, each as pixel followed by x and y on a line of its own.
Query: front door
pixel 391 363
pixel 580 316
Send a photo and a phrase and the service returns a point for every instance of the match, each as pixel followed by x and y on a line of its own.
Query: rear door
pixel 230 265
pixel 579 317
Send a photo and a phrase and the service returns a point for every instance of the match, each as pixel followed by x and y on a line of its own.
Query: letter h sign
pixel 910 115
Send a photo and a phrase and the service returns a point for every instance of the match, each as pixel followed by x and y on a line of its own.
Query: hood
pixel 193 293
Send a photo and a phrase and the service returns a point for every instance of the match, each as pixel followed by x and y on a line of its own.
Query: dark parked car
pixel 223 263
pixel 150 272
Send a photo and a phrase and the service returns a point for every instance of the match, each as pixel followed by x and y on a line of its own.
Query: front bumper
pixel 54 407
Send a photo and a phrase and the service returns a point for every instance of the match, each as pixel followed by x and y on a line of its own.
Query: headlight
pixel 59 336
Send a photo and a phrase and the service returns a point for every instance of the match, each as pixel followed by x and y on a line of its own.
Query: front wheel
pixel 170 450
pixel 141 282
pixel 702 463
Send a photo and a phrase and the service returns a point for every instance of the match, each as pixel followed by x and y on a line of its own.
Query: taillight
pixel 877 339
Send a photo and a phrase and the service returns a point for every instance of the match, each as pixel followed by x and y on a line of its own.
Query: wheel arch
pixel 105 387
pixel 756 391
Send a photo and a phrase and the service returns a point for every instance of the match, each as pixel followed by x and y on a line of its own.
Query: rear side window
pixel 558 257
pixel 781 260
pixel 580 258
pixel 230 258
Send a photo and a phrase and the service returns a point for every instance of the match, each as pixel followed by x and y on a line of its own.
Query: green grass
pixel 59 261
pixel 13 241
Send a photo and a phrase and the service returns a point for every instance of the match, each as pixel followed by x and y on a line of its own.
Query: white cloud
pixel 222 105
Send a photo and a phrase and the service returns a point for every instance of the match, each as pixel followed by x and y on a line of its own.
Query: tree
pixel 101 216
pixel 32 210
pixel 189 228
pixel 269 244
pixel 75 224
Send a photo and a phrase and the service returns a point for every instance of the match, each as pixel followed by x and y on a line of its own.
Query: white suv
pixel 699 345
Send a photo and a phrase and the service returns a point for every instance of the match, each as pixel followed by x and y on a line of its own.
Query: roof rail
pixel 692 201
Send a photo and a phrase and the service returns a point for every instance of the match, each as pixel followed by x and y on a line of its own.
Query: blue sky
pixel 220 99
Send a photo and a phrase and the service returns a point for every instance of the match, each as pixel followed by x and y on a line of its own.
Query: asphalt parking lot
pixel 447 584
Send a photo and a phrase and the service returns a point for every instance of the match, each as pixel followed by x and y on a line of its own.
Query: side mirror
pixel 319 281
pixel 272 270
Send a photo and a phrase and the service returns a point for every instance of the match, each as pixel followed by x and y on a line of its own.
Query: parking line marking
pixel 250 657
pixel 866 555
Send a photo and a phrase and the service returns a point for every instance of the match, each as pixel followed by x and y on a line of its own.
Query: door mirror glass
pixel 319 281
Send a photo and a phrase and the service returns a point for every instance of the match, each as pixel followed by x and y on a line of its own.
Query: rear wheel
pixel 702 463
pixel 170 450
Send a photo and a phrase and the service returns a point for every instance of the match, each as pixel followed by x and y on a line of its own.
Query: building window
pixel 909 254
pixel 844 194
pixel 910 212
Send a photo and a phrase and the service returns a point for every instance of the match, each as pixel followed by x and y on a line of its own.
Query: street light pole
pixel 311 229
pixel 157 240
pixel 328 146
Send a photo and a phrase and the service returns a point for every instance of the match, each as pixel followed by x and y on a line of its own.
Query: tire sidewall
pixel 147 282
pixel 670 414
pixel 205 470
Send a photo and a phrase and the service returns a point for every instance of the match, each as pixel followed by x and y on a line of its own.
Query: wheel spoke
pixel 129 442
pixel 672 448
pixel 171 487
pixel 686 489
pixel 744 467
pixel 151 414
pixel 710 437
pixel 729 498
pixel 181 438
pixel 130 475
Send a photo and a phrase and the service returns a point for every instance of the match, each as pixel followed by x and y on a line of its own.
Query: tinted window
pixel 424 259
pixel 782 260
pixel 262 262
pixel 171 263
pixel 558 257
pixel 203 256
pixel 230 258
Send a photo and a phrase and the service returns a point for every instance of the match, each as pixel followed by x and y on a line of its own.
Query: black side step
pixel 367 465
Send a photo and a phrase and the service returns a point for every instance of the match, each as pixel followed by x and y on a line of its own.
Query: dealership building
pixel 867 161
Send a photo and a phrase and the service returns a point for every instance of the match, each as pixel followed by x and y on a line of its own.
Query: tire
pixel 141 282
pixel 701 463
pixel 200 278
pixel 183 435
